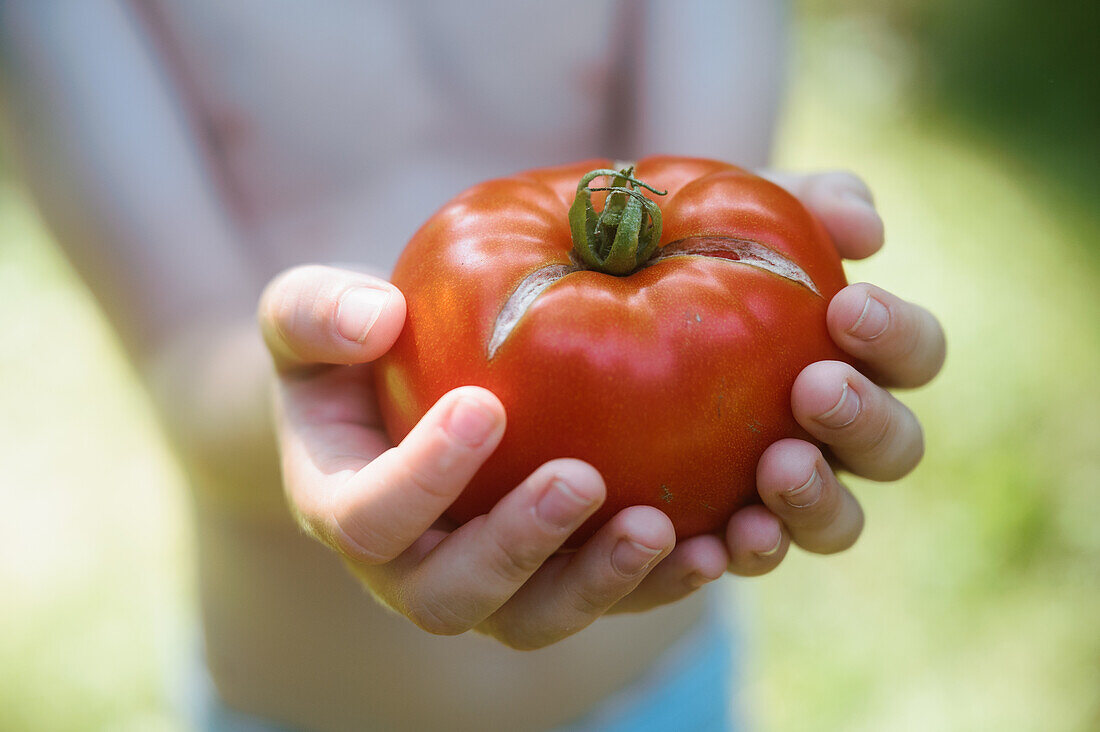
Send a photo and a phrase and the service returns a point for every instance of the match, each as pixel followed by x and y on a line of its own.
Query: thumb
pixel 313 315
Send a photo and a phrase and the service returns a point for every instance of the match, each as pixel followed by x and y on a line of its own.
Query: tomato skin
pixel 671 381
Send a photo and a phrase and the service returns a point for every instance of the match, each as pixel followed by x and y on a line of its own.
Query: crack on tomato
pixel 738 251
pixel 729 249
pixel 517 305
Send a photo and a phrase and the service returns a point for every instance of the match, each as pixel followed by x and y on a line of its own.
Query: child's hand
pixel 867 430
pixel 380 506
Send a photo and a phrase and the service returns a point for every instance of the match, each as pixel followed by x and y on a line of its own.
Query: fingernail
pixel 470 422
pixel 806 494
pixel 631 558
pixel 358 310
pixel 844 412
pixel 872 322
pixel 561 506
pixel 774 550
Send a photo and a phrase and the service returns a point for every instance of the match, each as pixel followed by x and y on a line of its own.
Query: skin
pixel 381 507
pixel 176 206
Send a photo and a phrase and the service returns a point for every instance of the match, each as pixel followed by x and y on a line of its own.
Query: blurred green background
pixel 972 601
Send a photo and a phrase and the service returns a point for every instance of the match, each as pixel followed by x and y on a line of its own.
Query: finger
pixel 322 315
pixel 872 433
pixel 569 594
pixel 693 563
pixel 479 566
pixel 757 541
pixel 373 513
pixel 843 203
pixel 902 344
pixel 797 485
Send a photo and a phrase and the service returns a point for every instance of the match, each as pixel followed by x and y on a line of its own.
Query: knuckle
pixel 879 431
pixel 294 301
pixel 359 538
pixel 910 337
pixel 895 442
pixel 361 551
pixel 427 476
pixel 433 617
pixel 276 289
pixel 362 544
pixel 914 345
pixel 320 519
pixel 293 285
pixel 515 562
pixel 279 308
pixel 803 522
pixel 587 602
pixel 832 508
pixel 847 538
pixel 819 514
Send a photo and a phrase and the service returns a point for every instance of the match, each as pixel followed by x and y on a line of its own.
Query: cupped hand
pixel 381 506
pixel 865 428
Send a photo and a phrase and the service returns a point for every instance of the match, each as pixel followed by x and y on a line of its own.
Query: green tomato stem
pixel 622 237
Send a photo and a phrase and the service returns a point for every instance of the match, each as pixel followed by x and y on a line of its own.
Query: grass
pixel 969 604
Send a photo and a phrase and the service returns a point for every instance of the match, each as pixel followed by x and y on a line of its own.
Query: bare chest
pixel 321 115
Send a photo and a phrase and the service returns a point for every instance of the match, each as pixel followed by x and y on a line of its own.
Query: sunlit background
pixel 972 601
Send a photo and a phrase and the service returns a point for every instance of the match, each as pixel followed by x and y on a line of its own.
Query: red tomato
pixel 670 375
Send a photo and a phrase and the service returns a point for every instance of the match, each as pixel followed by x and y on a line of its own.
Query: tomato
pixel 662 349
